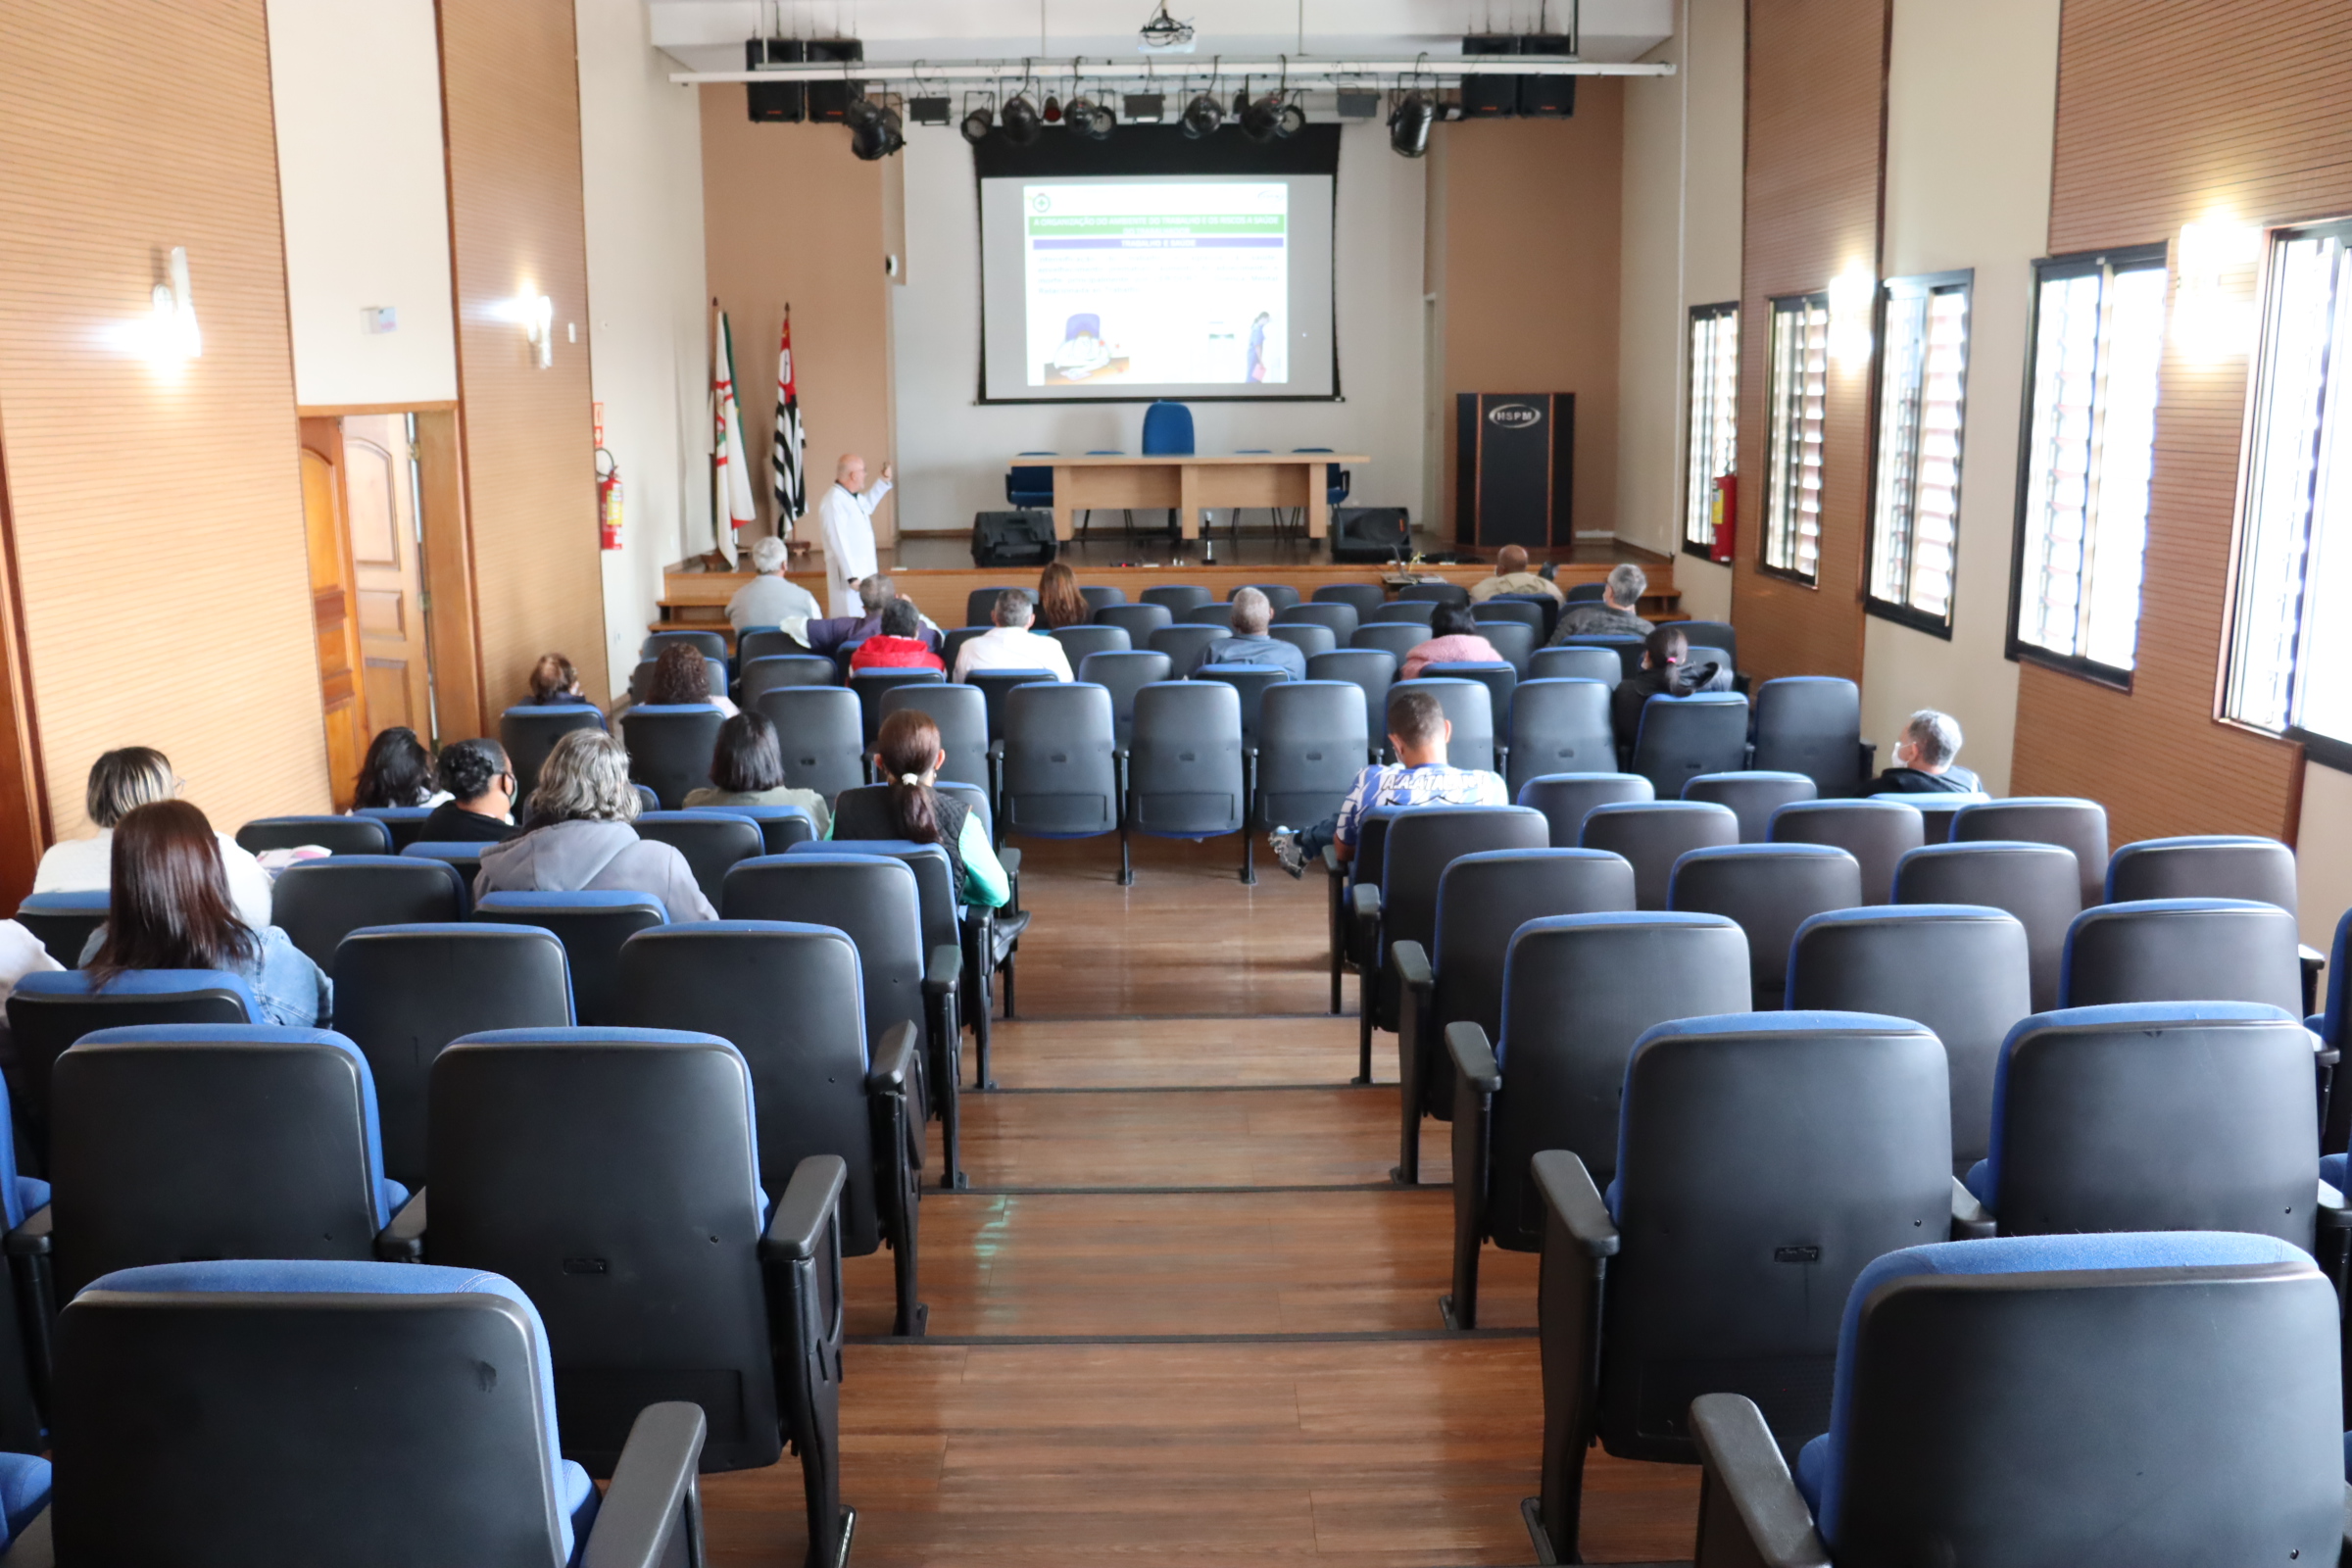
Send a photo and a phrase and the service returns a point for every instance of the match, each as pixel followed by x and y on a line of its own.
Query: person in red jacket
pixel 899 645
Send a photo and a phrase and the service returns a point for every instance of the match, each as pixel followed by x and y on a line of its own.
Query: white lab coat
pixel 848 519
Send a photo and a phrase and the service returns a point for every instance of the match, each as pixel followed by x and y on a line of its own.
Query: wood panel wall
pixel 2169 112
pixel 156 514
pixel 510 88
pixel 1816 157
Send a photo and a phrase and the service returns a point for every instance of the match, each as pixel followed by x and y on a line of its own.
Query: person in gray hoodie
pixel 581 841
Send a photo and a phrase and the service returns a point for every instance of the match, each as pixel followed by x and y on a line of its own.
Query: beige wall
pixel 1971 93
pixel 790 217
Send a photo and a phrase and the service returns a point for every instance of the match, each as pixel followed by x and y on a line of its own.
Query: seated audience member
pixel 1060 604
pixel 909 755
pixel 1924 760
pixel 767 600
pixel 580 839
pixel 747 769
pixel 169 909
pixel 554 683
pixel 121 781
pixel 1418 730
pixel 683 675
pixel 1454 640
pixel 480 783
pixel 900 644
pixel 1666 671
pixel 397 771
pixel 1613 616
pixel 874 594
pixel 1250 644
pixel 1010 644
pixel 1511 577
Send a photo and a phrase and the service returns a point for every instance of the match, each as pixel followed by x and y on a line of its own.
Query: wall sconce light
pixel 2212 317
pixel 1853 292
pixel 172 336
pixel 539 324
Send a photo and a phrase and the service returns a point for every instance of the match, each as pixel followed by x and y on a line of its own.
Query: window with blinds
pixel 2083 508
pixel 1714 419
pixel 1915 498
pixel 2295 529
pixel 1795 392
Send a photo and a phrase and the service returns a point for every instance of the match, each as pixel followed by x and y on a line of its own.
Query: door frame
pixel 25 822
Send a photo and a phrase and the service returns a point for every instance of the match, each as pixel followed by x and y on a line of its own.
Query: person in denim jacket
pixel 171 909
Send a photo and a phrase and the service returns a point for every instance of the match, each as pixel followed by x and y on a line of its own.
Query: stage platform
pixel 935 570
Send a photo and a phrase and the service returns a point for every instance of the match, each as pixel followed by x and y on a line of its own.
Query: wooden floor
pixel 1181 1317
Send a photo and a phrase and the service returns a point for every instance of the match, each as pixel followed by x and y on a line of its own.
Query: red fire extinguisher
pixel 1723 511
pixel 607 489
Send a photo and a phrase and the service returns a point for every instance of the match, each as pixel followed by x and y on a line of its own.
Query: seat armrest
pixel 1330 860
pixel 894 1061
pixel 1009 858
pixel 1568 1192
pixel 402 1241
pixel 2334 1215
pixel 945 972
pixel 1363 906
pixel 1473 1057
pixel 811 1201
pixel 1748 1491
pixel 30 1239
pixel 1412 966
pixel 1972 1221
pixel 653 1506
pixel 1870 761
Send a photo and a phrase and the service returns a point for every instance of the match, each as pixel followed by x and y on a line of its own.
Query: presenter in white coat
pixel 847 515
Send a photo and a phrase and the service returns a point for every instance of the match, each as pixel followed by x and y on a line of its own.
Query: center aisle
pixel 1182 1316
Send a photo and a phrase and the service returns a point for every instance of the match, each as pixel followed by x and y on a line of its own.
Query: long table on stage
pixel 1186 483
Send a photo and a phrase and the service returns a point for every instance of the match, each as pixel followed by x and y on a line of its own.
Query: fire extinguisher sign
pixel 608 488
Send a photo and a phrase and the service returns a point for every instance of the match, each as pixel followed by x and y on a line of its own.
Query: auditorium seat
pixel 199 1419
pixel 1938 812
pixel 1560 727
pixel 992 686
pixel 1812 724
pixel 960 716
pixel 1185 776
pixel 1252 682
pixel 980 604
pixel 670 747
pixel 2214 866
pixel 61 922
pixel 21 1414
pixel 1499 680
pixel 1576 664
pixel 1683 737
pixel 763 676
pixel 1652 835
pixel 712 644
pixel 2333 1026
pixel 1402 613
pixel 786 996
pixel 1351 940
pixel 404 822
pixel 1102 595
pixel 1336 617
pixel 2078 825
pixel 1469 709
pixel 1699 1295
pixel 641 679
pixel 2137 1401
pixel 185 1140
pixel 639 1144
pixel 1716 634
pixel 1564 798
pixel 1770 889
pixel 1627 649
pixel 1754 795
pixel 1138 621
pixel 1029 486
pixel 1305 636
pixel 318 903
pixel 2183 949
pixel 1079 641
pixel 755 642
pixel 403 992
pixel 1311 744
pixel 780 826
pixel 1280 596
pixel 1876 832
pixel 1505 610
pixel 1371 670
pixel 1392 637
pixel 1061 773
pixel 951 646
pixel 822 736
pixel 1436 593
pixel 1185 642
pixel 711 838
pixel 871 685
pixel 1547 609
pixel 1516 644
pixel 1217 613
pixel 1123 675
pixel 1176 598
pixel 49 1010
pixel 1586 593
pixel 592 926
pixel 1961 971
pixel 337 835
pixel 1578 992
pixel 1483 900
pixel 1361 597
pixel 2035 882
pixel 528 734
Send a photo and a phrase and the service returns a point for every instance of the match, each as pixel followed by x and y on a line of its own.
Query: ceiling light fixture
pixel 978 123
pixel 1163 33
pixel 875 130
pixel 1202 116
pixel 1409 123
pixel 1019 121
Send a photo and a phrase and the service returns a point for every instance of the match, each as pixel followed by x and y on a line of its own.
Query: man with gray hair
pixel 874 595
pixel 1250 644
pixel 1924 760
pixel 1613 616
pixel 767 600
pixel 1009 644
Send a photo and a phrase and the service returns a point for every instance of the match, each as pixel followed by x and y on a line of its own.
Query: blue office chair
pixel 1168 433
pixel 1029 486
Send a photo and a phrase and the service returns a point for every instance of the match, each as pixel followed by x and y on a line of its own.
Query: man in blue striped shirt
pixel 1418 731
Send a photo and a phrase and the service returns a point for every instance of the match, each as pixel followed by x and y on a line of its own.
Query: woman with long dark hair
pixel 747 769
pixel 1060 604
pixel 169 909
pixel 909 754
pixel 397 771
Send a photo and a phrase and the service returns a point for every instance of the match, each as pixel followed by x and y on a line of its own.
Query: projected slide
pixel 1156 282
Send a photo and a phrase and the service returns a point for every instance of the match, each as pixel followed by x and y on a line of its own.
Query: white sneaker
pixel 1285 844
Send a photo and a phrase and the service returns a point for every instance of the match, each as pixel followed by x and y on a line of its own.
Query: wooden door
pixel 389 581
pixel 337 631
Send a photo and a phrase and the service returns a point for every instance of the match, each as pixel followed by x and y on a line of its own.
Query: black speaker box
pixel 1370 533
pixel 1546 97
pixel 1013 539
pixel 829 101
pixel 781 102
pixel 1485 97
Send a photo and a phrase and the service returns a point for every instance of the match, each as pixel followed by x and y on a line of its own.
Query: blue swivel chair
pixel 1168 433
pixel 1030 485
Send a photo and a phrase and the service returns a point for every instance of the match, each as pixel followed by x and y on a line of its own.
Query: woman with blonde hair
pixel 1060 604
pixel 120 782
pixel 580 839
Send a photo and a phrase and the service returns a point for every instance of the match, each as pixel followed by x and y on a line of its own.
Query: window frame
pixel 1799 304
pixel 1691 435
pixel 1925 286
pixel 2075 264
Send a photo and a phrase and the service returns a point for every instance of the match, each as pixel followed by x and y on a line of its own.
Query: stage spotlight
pixel 1090 119
pixel 1408 125
pixel 1293 120
pixel 1262 121
pixel 1202 116
pixel 1019 121
pixel 1053 109
pixel 875 132
pixel 978 123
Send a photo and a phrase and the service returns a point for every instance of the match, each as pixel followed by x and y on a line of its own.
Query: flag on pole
pixel 792 483
pixel 731 506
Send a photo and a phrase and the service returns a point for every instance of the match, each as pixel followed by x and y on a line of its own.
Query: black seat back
pixel 1061 775
pixel 319 903
pixel 1185 776
pixel 763 676
pixel 1311 744
pixel 960 715
pixel 1560 727
pixel 2214 866
pixel 1753 795
pixel 1683 737
pixel 1878 833
pixel 1138 621
pixel 1423 841
pixel 1811 725
pixel 2077 825
pixel 822 735
pixel 670 747
pixel 710 839
pixel 1471 712
pixel 1653 835
pixel 1372 671
pixel 1564 798
pixel 1123 675
pixel 1771 890
pixel 2183 949
pixel 529 733
pixel 2035 882
pixel 871 685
